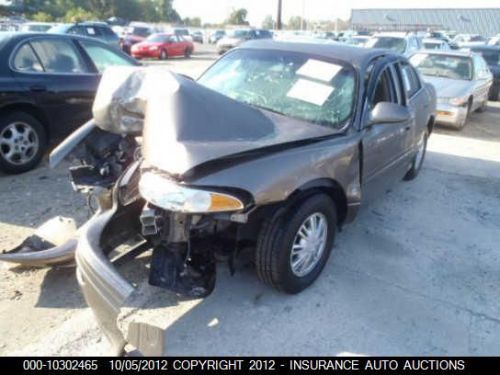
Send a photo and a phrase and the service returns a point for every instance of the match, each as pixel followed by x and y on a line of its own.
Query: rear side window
pixel 92 31
pixel 25 60
pixel 107 31
pixel 77 30
pixel 103 57
pixel 58 56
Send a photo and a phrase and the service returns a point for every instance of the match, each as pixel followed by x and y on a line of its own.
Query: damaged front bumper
pixel 52 244
pixel 106 292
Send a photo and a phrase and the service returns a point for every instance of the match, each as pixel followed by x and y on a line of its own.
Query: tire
pixel 279 233
pixel 24 152
pixel 418 160
pixel 163 55
pixel 187 53
pixel 462 123
pixel 483 107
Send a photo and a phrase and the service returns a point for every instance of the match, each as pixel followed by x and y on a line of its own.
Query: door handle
pixel 38 88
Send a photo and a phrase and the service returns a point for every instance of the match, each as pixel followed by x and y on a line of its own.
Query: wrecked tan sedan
pixel 273 149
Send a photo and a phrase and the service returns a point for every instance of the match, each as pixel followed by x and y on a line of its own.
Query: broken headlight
pixel 171 196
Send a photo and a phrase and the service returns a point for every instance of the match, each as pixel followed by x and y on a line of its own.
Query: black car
pixel 491 55
pixel 47 85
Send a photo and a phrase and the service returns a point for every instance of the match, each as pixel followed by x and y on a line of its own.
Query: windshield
pixel 139 31
pixel 432 45
pixel 291 84
pixel 387 42
pixel 446 66
pixel 240 34
pixel 60 29
pixel 157 38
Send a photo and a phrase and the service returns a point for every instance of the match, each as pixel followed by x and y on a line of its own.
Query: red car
pixel 162 46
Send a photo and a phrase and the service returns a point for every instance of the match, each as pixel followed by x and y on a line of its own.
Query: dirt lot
pixel 416 273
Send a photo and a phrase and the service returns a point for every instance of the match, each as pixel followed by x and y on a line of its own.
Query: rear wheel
pixel 22 142
pixel 188 52
pixel 294 245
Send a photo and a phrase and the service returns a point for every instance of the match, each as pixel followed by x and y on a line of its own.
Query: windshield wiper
pixel 266 109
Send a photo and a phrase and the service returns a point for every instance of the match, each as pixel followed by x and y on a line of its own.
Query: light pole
pixel 278 18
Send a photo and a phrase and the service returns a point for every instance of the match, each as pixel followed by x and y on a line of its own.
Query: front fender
pixel 274 177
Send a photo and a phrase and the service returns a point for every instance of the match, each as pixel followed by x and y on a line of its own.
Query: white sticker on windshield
pixel 319 70
pixel 310 92
pixel 90 31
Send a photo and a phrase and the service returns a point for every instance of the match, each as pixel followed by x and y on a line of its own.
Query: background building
pixel 485 21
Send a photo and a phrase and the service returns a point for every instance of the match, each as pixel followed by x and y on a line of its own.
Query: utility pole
pixel 278 18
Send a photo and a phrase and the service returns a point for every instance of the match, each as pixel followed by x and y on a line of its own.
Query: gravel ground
pixel 416 273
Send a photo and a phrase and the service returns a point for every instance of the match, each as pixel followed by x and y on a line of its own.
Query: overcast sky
pixel 217 10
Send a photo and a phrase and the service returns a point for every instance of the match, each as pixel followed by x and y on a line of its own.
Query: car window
pixel 443 65
pixel 392 43
pixel 107 31
pixel 102 56
pixel 384 89
pixel 411 82
pixel 77 30
pixel 58 56
pixel 25 60
pixel 92 31
pixel 292 84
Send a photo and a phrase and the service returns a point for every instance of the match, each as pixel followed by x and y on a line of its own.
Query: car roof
pixel 485 47
pixel 433 40
pixel 19 36
pixel 392 34
pixel 355 55
pixel 462 53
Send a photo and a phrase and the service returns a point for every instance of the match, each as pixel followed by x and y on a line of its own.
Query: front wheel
pixel 22 142
pixel 294 245
pixel 163 55
pixel 187 53
pixel 418 160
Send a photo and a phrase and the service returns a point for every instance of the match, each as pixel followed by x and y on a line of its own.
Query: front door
pixel 385 145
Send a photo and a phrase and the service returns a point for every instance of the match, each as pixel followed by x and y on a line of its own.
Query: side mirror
pixel 385 113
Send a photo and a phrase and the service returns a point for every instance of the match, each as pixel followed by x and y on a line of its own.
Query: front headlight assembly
pixel 171 196
pixel 459 101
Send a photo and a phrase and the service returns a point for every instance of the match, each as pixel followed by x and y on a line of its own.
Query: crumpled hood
pixel 185 124
pixel 449 88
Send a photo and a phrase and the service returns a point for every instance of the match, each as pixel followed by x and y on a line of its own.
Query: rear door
pixel 417 100
pixel 482 81
pixel 60 80
pixel 385 146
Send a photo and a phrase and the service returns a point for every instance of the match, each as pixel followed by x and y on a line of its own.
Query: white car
pixel 462 81
pixel 435 44
pixel 403 43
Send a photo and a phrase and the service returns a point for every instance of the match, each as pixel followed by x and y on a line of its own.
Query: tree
pixel 43 17
pixel 295 23
pixel 238 17
pixel 268 22
pixel 78 15
pixel 193 22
